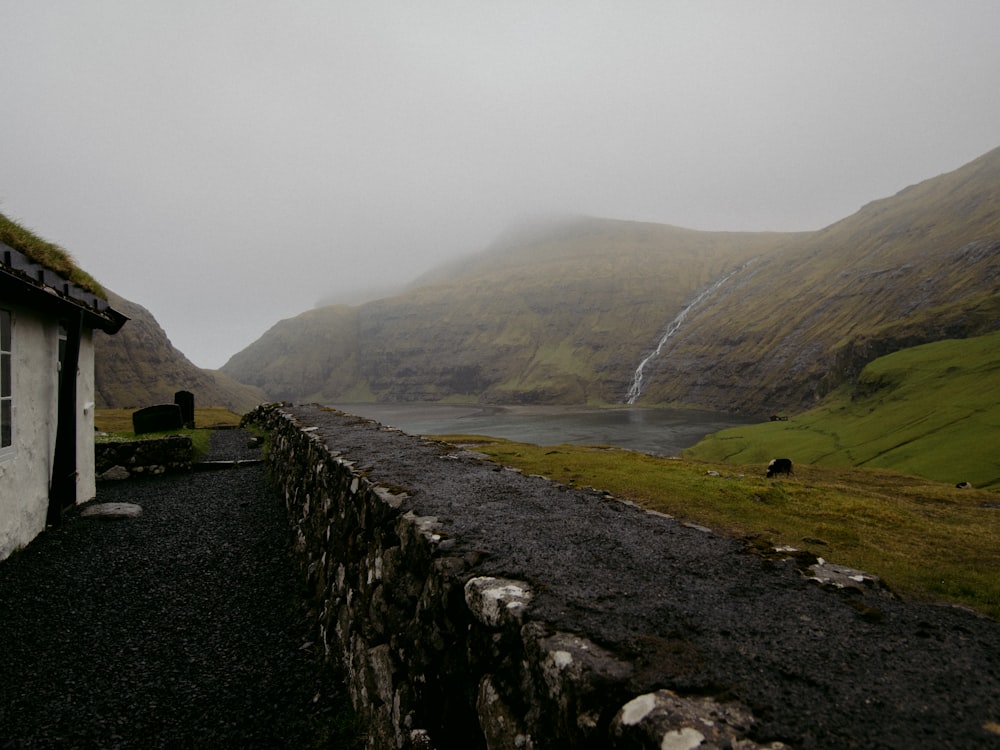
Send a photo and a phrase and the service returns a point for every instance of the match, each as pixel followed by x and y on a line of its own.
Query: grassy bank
pixel 120 420
pixel 116 425
pixel 931 411
pixel 926 540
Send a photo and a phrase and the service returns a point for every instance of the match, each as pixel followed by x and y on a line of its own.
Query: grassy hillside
pixel 302 356
pixel 926 540
pixel 920 266
pixel 562 318
pixel 931 411
pixel 564 313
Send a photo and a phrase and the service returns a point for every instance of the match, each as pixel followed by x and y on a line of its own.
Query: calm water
pixel 657 431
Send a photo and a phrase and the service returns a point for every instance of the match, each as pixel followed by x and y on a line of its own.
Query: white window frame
pixel 7 431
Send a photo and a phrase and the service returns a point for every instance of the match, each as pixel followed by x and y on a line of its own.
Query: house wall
pixel 86 482
pixel 26 471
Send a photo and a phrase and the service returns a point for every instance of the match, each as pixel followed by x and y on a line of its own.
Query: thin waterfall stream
pixel 635 390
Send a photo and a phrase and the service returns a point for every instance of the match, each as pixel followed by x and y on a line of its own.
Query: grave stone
pixel 185 400
pixel 158 418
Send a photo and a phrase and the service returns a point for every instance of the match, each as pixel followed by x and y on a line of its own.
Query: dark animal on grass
pixel 779 466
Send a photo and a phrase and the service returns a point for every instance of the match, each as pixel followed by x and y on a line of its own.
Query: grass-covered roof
pixel 47 254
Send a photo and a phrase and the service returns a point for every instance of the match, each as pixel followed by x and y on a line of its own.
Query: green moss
pixel 47 254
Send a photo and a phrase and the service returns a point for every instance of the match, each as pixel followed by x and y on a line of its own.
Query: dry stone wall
pixel 127 458
pixel 471 606
pixel 438 654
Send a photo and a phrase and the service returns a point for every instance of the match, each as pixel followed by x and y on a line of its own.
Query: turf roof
pixel 47 254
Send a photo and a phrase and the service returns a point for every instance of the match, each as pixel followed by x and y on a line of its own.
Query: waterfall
pixel 636 388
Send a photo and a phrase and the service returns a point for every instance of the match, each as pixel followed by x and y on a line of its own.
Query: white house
pixel 49 311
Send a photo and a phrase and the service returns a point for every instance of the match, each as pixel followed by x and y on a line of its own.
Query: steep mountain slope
pixel 918 267
pixel 139 367
pixel 564 313
pixel 558 316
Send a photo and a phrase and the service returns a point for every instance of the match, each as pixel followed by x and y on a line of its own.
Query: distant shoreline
pixel 430 409
pixel 457 411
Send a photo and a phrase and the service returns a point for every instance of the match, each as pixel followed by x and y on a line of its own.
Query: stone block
pixel 185 400
pixel 158 418
pixel 112 510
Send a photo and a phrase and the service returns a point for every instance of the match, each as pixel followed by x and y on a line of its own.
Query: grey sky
pixel 228 163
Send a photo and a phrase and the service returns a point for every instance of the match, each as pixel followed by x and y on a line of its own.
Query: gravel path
pixel 183 627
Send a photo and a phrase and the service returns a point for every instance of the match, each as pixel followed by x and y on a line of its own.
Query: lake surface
pixel 656 431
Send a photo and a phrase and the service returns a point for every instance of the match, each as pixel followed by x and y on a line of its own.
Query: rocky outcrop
pixel 474 607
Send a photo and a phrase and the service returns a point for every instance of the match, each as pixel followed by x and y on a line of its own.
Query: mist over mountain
pixel 361 295
pixel 563 311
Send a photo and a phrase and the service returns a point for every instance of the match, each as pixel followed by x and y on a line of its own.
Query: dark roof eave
pixel 20 288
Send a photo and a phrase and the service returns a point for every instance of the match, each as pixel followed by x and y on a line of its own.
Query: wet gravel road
pixel 182 628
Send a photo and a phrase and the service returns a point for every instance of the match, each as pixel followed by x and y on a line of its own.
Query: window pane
pixel 5 424
pixel 5 375
pixel 6 408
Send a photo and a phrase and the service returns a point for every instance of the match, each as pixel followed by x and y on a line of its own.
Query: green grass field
pixel 927 540
pixel 932 411
pixel 116 424
pixel 120 420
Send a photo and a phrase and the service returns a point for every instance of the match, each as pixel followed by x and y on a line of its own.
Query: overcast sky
pixel 226 164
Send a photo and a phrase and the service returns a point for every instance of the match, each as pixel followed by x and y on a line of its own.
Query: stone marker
pixel 114 474
pixel 158 418
pixel 112 510
pixel 185 400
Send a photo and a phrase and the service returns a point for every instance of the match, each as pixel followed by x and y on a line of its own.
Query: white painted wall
pixel 25 474
pixel 86 482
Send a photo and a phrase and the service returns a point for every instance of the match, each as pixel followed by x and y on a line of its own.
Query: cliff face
pixel 139 367
pixel 565 313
